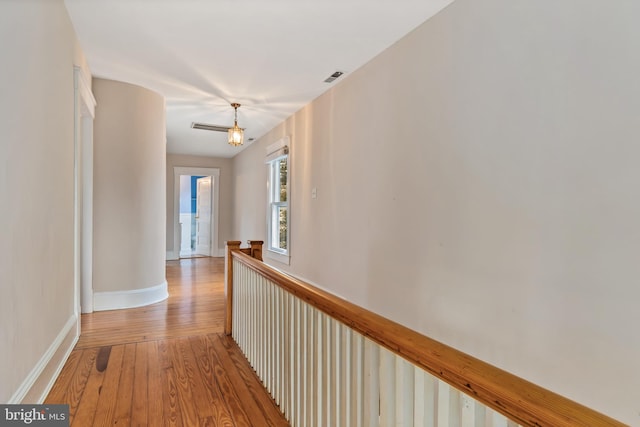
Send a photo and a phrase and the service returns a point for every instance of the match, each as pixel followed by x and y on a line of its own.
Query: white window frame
pixel 276 152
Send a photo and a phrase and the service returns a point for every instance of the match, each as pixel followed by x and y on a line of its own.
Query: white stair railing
pixel 329 363
pixel 322 373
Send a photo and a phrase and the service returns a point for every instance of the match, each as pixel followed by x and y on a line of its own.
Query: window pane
pixel 274 240
pixel 282 229
pixel 279 227
pixel 282 184
pixel 275 184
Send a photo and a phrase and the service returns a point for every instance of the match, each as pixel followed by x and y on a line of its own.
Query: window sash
pixel 278 208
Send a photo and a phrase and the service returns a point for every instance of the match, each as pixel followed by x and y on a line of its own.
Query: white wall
pixel 37 305
pixel 129 192
pixel 478 182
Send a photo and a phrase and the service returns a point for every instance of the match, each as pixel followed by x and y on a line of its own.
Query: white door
pixel 203 216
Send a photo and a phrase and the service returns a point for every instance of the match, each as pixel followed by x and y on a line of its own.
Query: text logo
pixel 34 415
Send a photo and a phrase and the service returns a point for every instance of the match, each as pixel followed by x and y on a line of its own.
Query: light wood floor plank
pixel 108 393
pixel 140 405
pixel 155 389
pixel 248 386
pixel 167 364
pixel 229 392
pixel 88 403
pixel 186 399
pixel 172 412
pixel 122 415
pixel 221 416
pixel 195 382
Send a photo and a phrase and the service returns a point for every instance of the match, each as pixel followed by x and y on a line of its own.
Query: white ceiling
pixel 269 55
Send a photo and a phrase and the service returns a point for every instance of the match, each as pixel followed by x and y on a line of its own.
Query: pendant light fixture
pixel 236 134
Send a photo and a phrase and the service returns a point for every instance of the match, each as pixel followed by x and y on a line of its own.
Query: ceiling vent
pixel 214 128
pixel 333 76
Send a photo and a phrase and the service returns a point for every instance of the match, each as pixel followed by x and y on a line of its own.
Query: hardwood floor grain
pixel 167 364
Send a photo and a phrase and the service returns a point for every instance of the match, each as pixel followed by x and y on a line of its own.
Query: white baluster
pixel 334 373
pixel 497 420
pixel 289 367
pixel 257 324
pixel 455 408
pixel 468 412
pixel 404 399
pixel 264 320
pixel 249 316
pixel 284 380
pixel 319 367
pixel 371 384
pixel 356 407
pixel 266 331
pixel 387 388
pixel 443 412
pixel 426 399
pixel 346 369
pixel 276 355
pixel 326 369
pixel 312 369
pixel 299 395
pixel 480 415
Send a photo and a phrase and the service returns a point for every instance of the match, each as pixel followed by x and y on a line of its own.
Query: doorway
pixel 196 209
pixel 195 215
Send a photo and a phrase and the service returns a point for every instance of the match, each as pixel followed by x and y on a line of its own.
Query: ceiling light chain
pixel 236 134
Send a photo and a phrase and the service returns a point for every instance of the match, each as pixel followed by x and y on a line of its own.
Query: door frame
pixel 214 173
pixel 84 106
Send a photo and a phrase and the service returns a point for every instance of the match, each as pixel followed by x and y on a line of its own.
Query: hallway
pixel 165 364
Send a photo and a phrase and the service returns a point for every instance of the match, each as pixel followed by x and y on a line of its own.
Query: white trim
pixel 275 256
pixel 46 371
pixel 84 113
pixel 214 173
pixel 171 256
pixel 281 143
pixel 84 88
pixel 275 151
pixel 116 300
pixel 86 260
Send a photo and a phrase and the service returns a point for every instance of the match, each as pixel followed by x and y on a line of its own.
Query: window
pixel 278 209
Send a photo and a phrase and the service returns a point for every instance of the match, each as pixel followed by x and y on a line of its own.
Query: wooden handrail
pixel 514 397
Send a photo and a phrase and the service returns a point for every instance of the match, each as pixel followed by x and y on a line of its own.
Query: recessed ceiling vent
pixel 214 128
pixel 333 76
pixel 205 126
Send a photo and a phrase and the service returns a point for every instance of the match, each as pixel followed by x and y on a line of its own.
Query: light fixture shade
pixel 236 135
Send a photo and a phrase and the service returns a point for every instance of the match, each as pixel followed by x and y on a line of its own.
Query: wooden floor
pixel 167 364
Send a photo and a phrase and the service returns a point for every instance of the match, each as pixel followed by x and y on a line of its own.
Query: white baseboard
pixel 171 255
pixel 36 386
pixel 117 300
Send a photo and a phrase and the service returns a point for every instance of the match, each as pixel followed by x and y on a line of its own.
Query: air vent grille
pixel 205 126
pixel 333 76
